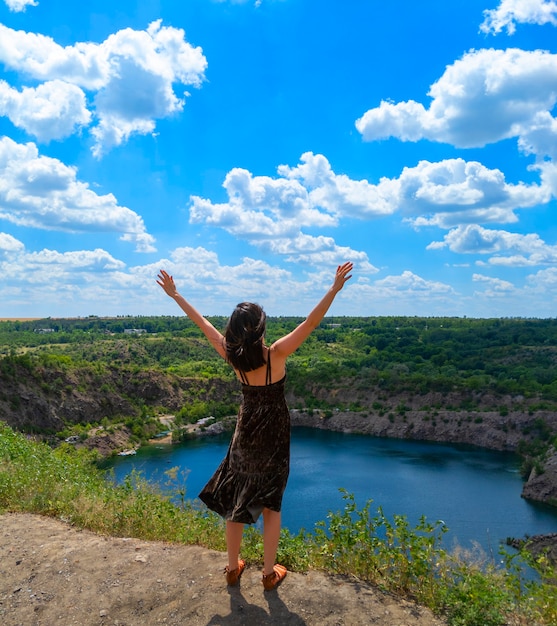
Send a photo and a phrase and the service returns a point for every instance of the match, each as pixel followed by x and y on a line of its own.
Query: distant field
pixel 19 319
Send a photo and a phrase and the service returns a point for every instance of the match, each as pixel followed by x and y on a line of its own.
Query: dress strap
pixel 243 377
pixel 268 373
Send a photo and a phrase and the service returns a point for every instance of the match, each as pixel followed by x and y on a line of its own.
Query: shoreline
pixel 488 430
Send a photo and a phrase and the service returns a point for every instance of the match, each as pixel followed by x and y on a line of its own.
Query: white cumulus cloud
pixel 9 244
pixel 277 213
pixel 411 283
pixel 512 12
pixel 273 213
pixel 510 249
pixel 90 259
pixel 455 191
pixel 17 6
pixel 53 110
pixel 48 282
pixel 543 281
pixel 337 194
pixel 41 192
pixel 485 97
pixel 131 78
pixel 495 286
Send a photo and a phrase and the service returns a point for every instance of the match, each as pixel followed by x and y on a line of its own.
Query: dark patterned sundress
pixel 254 472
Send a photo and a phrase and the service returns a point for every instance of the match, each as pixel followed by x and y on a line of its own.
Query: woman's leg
pixel 234 531
pixel 271 535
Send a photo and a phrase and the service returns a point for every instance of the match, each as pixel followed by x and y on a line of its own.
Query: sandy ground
pixel 52 573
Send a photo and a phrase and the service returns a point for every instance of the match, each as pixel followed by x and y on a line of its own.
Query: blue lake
pixel 475 492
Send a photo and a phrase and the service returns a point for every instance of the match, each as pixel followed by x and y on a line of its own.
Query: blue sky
pixel 250 147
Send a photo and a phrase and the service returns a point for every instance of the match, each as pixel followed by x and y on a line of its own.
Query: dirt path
pixel 52 573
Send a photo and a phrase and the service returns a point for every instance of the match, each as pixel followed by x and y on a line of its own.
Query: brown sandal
pixel 233 577
pixel 273 580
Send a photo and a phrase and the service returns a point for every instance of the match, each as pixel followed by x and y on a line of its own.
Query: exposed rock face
pixel 49 400
pixel 487 429
pixel 539 545
pixel 542 487
pixel 106 444
pixel 30 409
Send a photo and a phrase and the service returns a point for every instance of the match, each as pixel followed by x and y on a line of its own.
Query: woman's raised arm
pixel 291 342
pixel 213 335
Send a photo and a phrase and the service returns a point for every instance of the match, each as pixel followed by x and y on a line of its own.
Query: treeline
pixel 394 354
pixel 419 355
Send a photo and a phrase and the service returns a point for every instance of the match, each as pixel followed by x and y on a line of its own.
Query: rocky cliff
pixel 487 429
pixel 47 400
pixel 542 482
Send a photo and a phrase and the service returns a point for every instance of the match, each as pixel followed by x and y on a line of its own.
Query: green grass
pixel 365 545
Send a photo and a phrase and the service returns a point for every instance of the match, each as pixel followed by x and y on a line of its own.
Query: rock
pixel 538 545
pixel 542 487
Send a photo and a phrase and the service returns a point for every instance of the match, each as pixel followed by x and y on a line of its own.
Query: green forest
pixel 507 356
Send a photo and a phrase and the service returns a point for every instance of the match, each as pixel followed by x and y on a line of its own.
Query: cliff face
pixel 487 429
pixel 542 486
pixel 51 399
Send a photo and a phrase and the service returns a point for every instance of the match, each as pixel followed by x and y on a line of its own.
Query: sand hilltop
pixel 52 573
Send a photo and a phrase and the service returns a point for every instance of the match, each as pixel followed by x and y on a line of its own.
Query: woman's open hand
pixel 167 283
pixel 342 275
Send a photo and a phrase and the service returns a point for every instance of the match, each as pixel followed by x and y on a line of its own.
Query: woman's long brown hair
pixel 244 336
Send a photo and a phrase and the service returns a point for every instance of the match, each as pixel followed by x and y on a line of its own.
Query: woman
pixel 252 478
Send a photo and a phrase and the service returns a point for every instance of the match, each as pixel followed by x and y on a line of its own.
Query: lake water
pixel 475 492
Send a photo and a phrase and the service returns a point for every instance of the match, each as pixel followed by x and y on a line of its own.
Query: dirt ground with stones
pixel 52 573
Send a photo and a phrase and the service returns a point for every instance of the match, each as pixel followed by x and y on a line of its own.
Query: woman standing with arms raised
pixel 252 477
